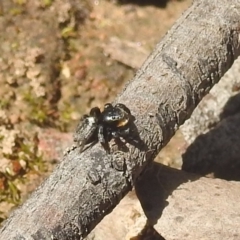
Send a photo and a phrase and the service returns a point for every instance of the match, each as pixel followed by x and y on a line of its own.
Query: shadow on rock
pixel 218 151
pixel 148 233
pixel 153 188
pixel 156 3
pixel 231 108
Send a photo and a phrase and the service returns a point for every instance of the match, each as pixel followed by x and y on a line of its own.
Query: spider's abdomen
pixel 86 129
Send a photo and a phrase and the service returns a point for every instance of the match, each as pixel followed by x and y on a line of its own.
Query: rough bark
pixel 191 58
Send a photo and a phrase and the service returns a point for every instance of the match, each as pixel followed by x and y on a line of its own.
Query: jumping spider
pixel 112 122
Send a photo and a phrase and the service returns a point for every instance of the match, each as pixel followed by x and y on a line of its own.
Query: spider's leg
pixel 87 145
pixel 103 137
pixel 115 134
pixel 121 133
pixel 127 135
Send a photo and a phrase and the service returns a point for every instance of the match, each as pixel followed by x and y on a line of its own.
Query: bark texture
pixel 191 58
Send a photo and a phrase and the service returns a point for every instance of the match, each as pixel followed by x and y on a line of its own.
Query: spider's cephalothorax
pixel 115 122
pixel 112 122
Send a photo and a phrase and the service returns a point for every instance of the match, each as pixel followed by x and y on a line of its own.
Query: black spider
pixel 112 122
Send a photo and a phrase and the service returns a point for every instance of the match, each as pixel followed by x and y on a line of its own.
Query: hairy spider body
pixel 112 122
pixel 87 128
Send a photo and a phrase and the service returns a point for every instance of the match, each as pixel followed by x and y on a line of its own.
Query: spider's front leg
pixel 119 135
pixel 124 133
pixel 103 137
pixel 127 134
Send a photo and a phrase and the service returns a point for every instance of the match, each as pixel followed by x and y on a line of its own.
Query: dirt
pixel 58 59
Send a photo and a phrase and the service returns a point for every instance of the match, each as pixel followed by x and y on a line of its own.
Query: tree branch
pixel 191 58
